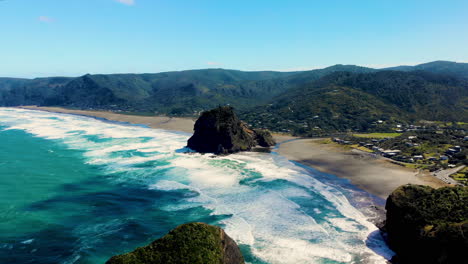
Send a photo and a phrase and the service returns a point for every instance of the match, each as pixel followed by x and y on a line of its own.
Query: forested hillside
pixel 178 93
pixel 357 101
pixel 441 67
pixel 337 98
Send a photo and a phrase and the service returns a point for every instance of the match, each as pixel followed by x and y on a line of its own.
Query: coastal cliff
pixel 427 225
pixel 193 243
pixel 220 131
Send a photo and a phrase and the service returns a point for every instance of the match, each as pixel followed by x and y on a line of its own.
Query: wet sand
pixel 369 172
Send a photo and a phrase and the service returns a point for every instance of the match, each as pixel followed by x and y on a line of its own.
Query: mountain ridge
pixel 435 90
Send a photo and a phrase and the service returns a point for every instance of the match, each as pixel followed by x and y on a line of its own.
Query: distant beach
pixel 375 175
pixel 161 122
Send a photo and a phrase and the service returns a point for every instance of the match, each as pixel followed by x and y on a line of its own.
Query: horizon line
pixel 298 69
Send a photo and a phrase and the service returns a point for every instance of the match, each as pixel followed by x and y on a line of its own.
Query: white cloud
pixel 45 19
pixel 126 2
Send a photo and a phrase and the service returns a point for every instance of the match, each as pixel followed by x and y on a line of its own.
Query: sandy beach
pixel 162 122
pixel 374 175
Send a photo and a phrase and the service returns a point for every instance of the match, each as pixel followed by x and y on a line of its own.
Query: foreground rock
pixel 220 131
pixel 194 243
pixel 427 225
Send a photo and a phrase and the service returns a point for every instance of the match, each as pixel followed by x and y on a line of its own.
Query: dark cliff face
pixel 264 138
pixel 220 131
pixel 427 225
pixel 194 243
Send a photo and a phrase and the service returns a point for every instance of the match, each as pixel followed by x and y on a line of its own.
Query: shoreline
pixel 374 175
pixel 159 122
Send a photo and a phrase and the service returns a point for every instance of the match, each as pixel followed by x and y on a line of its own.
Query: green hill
pixel 336 98
pixel 178 93
pixel 441 67
pixel 15 91
pixel 345 101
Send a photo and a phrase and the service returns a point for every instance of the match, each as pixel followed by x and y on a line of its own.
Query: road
pixel 444 175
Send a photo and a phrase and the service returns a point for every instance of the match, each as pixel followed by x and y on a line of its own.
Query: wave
pixel 282 212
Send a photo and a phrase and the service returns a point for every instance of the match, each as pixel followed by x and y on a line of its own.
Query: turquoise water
pixel 79 190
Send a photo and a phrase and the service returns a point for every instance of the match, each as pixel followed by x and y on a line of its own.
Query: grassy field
pixel 356 146
pixel 461 175
pixel 416 166
pixel 324 141
pixel 377 135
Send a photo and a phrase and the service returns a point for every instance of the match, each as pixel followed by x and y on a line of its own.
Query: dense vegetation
pixel 356 101
pixel 194 243
pixel 427 225
pixel 173 93
pixel 337 98
pixel 441 67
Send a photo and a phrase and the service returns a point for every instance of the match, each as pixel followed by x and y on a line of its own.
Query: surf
pixel 276 210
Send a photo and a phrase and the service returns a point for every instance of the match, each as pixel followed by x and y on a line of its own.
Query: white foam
pixel 272 221
pixel 27 242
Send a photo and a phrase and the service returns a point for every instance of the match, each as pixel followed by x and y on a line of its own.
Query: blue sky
pixel 74 37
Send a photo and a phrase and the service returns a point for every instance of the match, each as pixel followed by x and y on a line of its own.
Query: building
pixel 391 153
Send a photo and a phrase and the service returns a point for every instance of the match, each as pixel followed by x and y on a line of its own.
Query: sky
pixel 75 37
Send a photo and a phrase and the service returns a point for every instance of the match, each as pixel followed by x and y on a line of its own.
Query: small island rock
pixel 220 131
pixel 193 243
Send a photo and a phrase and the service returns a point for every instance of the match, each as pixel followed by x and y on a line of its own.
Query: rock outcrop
pixel 426 225
pixel 194 243
pixel 220 131
pixel 264 138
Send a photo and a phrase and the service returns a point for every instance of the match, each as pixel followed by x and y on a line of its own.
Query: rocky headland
pixel 193 243
pixel 427 225
pixel 220 131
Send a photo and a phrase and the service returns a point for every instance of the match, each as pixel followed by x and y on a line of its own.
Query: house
pixel 412 137
pixel 391 153
pixel 452 165
pixel 466 138
pixel 457 148
pixel 338 140
pixel 451 151
pixel 418 157
pixel 444 158
pixel 432 159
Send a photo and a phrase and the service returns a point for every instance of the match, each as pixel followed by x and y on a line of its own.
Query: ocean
pixel 76 189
